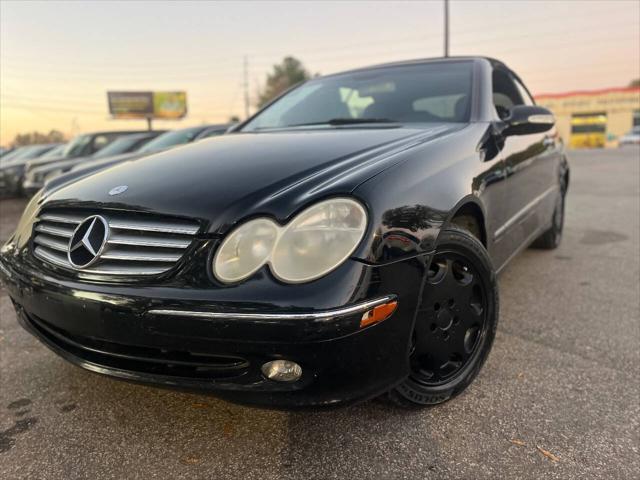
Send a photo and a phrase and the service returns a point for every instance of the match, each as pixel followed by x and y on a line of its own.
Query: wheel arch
pixel 470 208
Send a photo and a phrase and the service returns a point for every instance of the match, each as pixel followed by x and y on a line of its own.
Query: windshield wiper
pixel 346 121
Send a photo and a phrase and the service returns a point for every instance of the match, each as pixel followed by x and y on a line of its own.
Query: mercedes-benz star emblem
pixel 88 241
pixel 118 190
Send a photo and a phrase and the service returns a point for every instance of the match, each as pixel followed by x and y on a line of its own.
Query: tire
pixel 551 238
pixel 456 322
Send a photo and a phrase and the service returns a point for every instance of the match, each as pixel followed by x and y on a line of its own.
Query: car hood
pixel 224 179
pixel 84 169
pixel 38 162
pixel 107 161
pixel 50 166
pixel 80 162
pixel 22 162
pixel 12 165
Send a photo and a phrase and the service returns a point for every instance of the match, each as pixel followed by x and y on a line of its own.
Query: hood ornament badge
pixel 118 190
pixel 87 241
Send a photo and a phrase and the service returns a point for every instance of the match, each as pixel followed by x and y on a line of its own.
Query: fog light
pixel 282 370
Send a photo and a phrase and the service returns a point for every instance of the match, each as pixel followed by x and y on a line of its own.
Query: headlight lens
pixel 315 242
pixel 318 240
pixel 245 250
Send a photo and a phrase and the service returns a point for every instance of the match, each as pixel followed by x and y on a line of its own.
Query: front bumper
pixel 30 187
pixel 10 182
pixel 164 336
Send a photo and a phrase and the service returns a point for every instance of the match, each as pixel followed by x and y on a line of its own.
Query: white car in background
pixel 632 137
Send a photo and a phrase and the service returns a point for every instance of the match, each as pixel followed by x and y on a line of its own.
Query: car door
pixel 544 171
pixel 529 172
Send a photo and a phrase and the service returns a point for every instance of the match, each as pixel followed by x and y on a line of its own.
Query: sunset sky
pixel 58 59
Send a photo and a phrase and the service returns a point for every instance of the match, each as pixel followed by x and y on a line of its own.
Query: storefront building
pixel 594 118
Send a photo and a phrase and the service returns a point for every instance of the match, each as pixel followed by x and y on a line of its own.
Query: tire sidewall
pixel 559 228
pixel 457 240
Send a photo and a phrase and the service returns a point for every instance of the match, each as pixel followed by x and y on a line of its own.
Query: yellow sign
pixel 588 130
pixel 169 104
pixel 163 105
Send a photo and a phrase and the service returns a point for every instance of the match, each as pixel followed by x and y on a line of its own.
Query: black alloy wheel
pixel 456 323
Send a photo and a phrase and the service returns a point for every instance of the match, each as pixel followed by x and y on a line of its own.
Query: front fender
pixel 411 202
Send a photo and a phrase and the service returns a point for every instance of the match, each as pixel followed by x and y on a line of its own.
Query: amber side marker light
pixel 378 314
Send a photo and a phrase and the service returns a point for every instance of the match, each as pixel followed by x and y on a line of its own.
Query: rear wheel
pixel 456 324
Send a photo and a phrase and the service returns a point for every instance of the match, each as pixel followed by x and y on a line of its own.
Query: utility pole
pixel 446 28
pixel 245 84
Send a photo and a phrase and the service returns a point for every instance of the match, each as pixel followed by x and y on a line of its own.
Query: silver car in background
pixel 14 164
pixel 632 137
pixel 36 175
pixel 163 142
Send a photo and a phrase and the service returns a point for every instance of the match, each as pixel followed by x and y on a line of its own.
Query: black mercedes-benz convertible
pixel 340 244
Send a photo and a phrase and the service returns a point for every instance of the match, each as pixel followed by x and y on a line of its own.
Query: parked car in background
pixel 55 152
pixel 35 177
pixel 4 151
pixel 84 145
pixel 163 142
pixel 12 153
pixel 214 131
pixel 28 152
pixel 341 244
pixel 13 166
pixel 632 137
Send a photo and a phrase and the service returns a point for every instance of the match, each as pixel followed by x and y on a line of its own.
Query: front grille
pixel 138 243
pixel 143 359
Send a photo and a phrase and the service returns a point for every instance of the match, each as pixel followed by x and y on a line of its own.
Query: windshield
pixel 76 146
pixel 29 153
pixel 171 139
pixel 429 92
pixel 118 146
pixel 55 152
pixel 12 155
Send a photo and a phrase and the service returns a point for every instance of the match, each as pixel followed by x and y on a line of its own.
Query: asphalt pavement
pixel 559 396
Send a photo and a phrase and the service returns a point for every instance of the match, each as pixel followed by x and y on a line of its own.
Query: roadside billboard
pixel 169 104
pixel 160 105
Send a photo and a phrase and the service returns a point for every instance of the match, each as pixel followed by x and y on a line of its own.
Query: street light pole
pixel 245 84
pixel 446 28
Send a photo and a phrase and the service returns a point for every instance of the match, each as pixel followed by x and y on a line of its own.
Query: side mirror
pixel 527 119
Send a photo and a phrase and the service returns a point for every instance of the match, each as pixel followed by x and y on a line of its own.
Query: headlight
pixel 315 242
pixel 245 250
pixel 13 171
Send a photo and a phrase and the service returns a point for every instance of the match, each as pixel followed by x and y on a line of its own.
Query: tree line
pixel 35 138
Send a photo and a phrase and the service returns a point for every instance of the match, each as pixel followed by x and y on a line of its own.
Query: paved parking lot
pixel 558 398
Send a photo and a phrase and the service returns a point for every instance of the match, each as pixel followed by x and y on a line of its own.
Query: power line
pixel 332 57
pixel 540 35
pixel 32 102
pixel 215 75
pixel 149 65
pixel 52 109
